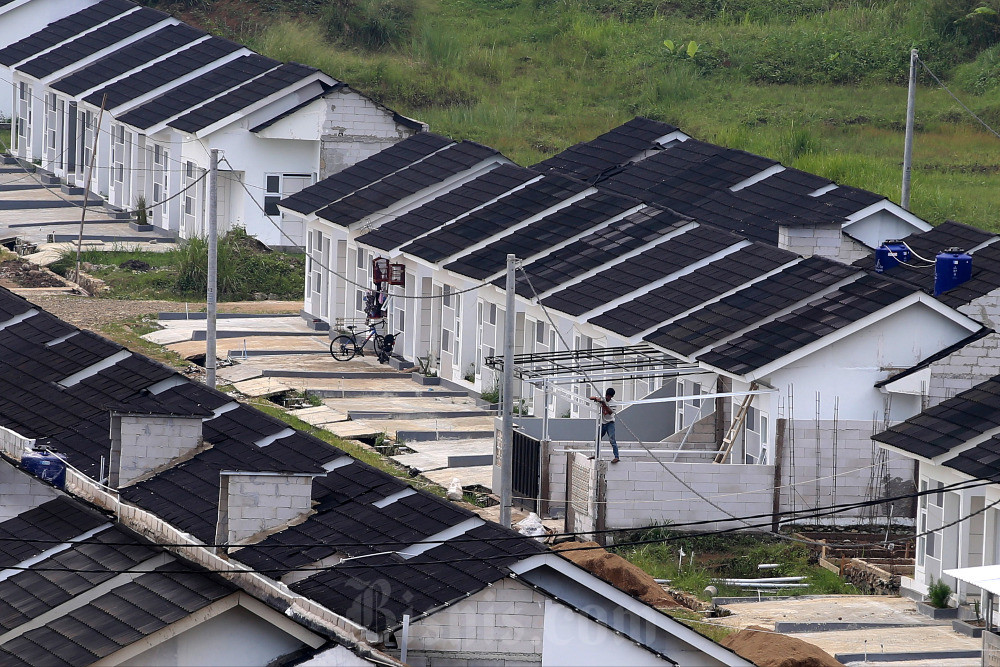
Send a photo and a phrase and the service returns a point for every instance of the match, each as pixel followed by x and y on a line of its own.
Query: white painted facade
pixel 268 151
pixel 21 18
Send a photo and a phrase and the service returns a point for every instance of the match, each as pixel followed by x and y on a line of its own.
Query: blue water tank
pixel 46 466
pixel 952 267
pixel 890 254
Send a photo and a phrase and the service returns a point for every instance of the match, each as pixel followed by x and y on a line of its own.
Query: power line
pixel 349 562
pixel 960 102
pixel 343 277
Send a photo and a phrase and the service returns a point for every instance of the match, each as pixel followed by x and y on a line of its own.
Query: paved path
pixel 917 632
pixel 33 212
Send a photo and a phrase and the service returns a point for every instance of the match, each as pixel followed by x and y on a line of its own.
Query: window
pixel 362 259
pixel 445 340
pixel 22 91
pixel 493 313
pixel 157 154
pixel 272 195
pixel 696 391
pixel 446 298
pixel 540 333
pixel 937 499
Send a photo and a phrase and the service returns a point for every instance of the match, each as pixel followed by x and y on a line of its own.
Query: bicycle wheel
pixel 378 343
pixel 342 348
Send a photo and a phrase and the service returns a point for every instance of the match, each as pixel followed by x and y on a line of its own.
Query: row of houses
pixel 192 529
pixel 714 289
pixel 144 99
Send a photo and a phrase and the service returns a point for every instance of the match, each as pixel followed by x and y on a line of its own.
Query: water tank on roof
pixel 890 254
pixel 46 466
pixel 952 267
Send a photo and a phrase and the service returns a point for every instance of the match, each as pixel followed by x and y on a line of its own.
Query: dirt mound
pixel 19 273
pixel 768 649
pixel 617 571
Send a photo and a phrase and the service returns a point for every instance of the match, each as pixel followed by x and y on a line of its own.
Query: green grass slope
pixel 817 84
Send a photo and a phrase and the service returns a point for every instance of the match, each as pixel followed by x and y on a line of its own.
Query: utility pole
pixel 507 426
pixel 86 187
pixel 213 266
pixel 911 100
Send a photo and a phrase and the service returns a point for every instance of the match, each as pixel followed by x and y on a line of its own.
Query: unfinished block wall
pixel 355 128
pixel 824 470
pixel 823 240
pixel 20 492
pixel 250 503
pixel 976 362
pixel 143 443
pixel 501 625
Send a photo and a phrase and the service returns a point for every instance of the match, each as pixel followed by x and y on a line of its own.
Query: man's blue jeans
pixel 609 430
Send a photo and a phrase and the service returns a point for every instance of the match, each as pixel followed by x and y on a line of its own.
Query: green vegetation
pixel 695 621
pixel 729 556
pixel 130 332
pixel 245 267
pixel 353 449
pixel 938 593
pixel 818 84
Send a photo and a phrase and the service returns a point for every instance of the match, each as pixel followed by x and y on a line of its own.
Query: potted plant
pixel 970 627
pixel 936 606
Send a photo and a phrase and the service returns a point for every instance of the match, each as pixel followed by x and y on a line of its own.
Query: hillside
pixel 817 84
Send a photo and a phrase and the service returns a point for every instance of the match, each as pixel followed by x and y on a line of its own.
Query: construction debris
pixel 617 571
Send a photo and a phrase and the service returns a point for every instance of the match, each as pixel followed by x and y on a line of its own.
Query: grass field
pixel 818 84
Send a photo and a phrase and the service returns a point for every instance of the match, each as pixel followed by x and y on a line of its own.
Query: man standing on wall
pixel 608 419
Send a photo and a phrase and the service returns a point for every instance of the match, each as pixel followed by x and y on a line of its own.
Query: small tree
pixel 938 593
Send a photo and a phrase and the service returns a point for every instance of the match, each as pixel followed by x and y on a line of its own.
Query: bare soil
pixel 20 273
pixel 617 571
pixel 767 649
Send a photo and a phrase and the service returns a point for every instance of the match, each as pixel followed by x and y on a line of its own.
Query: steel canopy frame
pixel 624 363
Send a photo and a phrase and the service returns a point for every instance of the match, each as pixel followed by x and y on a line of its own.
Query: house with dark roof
pixel 351 553
pixel 153 96
pixel 709 286
pixel 78 588
pixel 22 18
pixel 954 444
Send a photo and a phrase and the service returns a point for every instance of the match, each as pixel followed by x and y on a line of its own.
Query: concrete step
pixel 425 436
pixel 7 159
pixel 116 213
pixel 362 393
pixel 199 334
pixel 423 414
pixel 135 226
pixel 73 190
pixel 337 375
pixel 48 178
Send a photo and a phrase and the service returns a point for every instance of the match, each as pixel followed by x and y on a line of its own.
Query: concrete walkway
pixel 886 625
pixel 444 433
pixel 35 212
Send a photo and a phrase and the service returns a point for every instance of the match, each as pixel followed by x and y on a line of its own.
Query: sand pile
pixel 617 571
pixel 767 649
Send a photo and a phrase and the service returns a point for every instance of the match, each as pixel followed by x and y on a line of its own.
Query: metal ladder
pixel 734 428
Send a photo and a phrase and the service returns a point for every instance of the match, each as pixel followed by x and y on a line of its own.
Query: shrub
pixel 938 593
pixel 370 24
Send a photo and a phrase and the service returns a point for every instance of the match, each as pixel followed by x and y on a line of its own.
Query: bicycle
pixel 345 346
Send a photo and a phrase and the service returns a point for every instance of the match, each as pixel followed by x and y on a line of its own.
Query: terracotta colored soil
pixel 767 649
pixel 617 571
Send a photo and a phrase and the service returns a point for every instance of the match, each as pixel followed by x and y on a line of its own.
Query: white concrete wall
pixel 250 503
pixel 143 443
pixel 22 18
pixel 573 639
pixel 20 492
pixel 235 638
pixel 879 226
pixel 501 625
pixel 355 128
pixel 850 367
pixel 974 363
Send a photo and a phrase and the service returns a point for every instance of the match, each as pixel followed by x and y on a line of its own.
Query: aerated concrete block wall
pixel 250 503
pixel 355 128
pixel 20 492
pixel 826 471
pixel 500 625
pixel 143 443
pixel 824 240
pixel 974 363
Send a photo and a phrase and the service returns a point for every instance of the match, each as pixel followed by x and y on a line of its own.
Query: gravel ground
pixel 91 313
